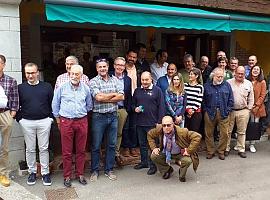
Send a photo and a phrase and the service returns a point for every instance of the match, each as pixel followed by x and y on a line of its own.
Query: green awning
pixel 148 15
pixel 249 23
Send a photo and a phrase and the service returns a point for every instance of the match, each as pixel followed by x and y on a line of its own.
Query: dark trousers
pixel 142 136
pixel 73 130
pixel 129 136
pixel 194 123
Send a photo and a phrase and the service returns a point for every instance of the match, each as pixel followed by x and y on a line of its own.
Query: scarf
pixel 168 143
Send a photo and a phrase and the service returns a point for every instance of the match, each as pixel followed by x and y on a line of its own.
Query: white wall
pixel 10 47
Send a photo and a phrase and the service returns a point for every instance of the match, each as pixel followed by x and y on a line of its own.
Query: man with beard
pixel 218 103
pixel 71 103
pixel 159 67
pixel 252 61
pixel 132 72
pixel 141 63
pixel 135 75
pixel 148 104
pixel 63 78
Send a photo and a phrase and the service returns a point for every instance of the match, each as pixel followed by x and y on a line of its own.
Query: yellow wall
pixel 257 43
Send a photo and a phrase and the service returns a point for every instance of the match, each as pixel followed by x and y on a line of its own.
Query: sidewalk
pixel 16 192
pixel 234 178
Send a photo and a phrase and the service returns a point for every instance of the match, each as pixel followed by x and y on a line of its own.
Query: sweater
pixel 35 101
pixel 152 100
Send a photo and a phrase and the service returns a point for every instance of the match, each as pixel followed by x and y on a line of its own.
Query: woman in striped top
pixel 176 99
pixel 194 91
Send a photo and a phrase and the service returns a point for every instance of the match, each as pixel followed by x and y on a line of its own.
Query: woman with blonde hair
pixel 176 99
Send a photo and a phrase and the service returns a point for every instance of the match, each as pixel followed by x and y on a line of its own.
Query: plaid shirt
pixel 99 85
pixel 10 87
pixel 63 78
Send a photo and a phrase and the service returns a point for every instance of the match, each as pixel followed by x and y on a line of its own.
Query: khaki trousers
pixel 163 167
pixel 122 117
pixel 241 118
pixel 209 133
pixel 6 122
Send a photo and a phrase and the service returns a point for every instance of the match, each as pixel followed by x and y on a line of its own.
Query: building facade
pixel 34 31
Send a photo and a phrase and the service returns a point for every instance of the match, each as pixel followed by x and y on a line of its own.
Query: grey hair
pixel 215 71
pixel 79 67
pixel 120 58
pixel 72 58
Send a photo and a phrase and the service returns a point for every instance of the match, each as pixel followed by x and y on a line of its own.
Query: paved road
pixel 233 178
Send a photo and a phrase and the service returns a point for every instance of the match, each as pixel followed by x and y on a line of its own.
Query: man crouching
pixel 176 143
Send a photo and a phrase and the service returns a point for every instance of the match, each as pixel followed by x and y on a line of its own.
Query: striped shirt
pixel 99 85
pixel 63 78
pixel 194 95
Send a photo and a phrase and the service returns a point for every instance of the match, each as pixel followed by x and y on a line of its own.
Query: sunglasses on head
pixel 101 60
pixel 166 125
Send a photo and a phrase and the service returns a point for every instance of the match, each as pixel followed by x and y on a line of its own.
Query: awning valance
pixel 148 15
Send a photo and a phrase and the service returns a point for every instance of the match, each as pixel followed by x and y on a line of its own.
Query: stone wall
pixel 10 46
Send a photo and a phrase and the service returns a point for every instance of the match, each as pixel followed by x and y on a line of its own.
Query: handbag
pixel 253 131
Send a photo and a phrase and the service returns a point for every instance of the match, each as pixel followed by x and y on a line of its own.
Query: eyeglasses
pixel 119 64
pixel 30 73
pixel 166 125
pixel 101 60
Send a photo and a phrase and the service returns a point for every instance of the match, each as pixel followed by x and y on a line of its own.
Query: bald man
pixel 175 143
pixel 243 96
pixel 148 102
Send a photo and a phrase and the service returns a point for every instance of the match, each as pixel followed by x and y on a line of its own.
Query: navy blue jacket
pixel 218 96
pixel 153 102
pixel 163 84
pixel 127 91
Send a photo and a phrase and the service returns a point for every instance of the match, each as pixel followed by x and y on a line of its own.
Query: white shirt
pixel 3 98
pixel 158 71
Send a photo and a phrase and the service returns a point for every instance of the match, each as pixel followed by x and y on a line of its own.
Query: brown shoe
pixel 125 152
pixel 221 156
pixel 226 153
pixel 119 161
pixel 210 156
pixel 133 152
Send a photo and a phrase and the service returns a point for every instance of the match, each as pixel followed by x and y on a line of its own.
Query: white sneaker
pixel 235 148
pixel 252 148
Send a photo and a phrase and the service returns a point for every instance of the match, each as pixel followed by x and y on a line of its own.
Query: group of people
pixel 156 107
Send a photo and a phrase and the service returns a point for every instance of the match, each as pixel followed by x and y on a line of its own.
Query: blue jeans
pixel 142 136
pixel 103 124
